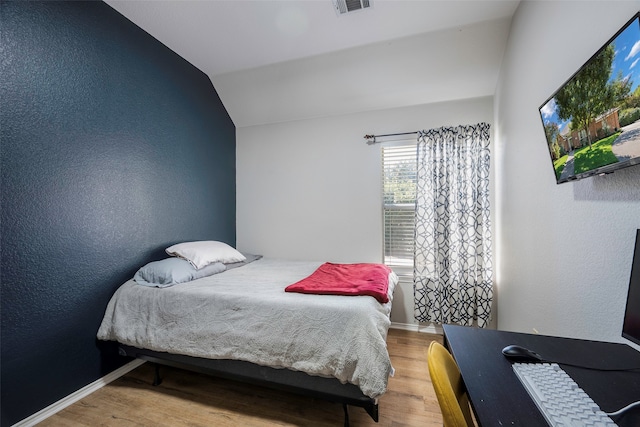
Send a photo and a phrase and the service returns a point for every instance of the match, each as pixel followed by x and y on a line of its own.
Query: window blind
pixel 399 198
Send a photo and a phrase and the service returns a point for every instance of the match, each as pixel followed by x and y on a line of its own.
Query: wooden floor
pixel 188 399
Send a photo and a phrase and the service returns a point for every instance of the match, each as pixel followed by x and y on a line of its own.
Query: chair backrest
pixel 449 388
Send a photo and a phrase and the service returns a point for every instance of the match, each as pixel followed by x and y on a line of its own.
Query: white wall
pixel 311 189
pixel 564 251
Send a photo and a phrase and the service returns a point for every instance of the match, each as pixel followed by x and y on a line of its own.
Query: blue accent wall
pixel 112 148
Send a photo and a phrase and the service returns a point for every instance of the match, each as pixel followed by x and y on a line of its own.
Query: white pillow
pixel 202 253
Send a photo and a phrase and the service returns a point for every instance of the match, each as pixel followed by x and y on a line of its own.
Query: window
pixel 399 199
pixel 583 137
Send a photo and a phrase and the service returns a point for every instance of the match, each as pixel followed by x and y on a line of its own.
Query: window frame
pixel 398 152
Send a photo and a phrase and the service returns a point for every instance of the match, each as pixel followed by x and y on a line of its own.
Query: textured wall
pixel 113 147
pixel 564 251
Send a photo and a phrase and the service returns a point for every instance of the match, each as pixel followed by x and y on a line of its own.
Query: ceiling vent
pixel 344 6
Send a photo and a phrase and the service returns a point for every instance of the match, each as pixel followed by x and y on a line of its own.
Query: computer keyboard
pixel 558 397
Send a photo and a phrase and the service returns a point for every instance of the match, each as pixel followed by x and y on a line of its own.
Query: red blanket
pixel 346 279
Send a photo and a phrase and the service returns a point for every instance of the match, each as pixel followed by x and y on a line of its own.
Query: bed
pixel 241 324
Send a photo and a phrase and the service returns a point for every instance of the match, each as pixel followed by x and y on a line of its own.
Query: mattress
pixel 245 314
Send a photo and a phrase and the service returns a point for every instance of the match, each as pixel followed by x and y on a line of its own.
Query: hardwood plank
pixel 188 399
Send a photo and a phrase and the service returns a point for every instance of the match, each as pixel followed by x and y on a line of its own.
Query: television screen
pixel 631 326
pixel 591 123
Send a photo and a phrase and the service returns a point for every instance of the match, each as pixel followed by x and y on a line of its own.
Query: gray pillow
pixel 171 271
pixel 249 258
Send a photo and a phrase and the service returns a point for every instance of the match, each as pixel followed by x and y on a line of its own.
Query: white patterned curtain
pixel 453 273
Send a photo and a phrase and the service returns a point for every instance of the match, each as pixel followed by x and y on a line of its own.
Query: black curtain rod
pixel 371 139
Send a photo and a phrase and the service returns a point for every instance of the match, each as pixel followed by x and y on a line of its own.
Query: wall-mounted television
pixel 592 122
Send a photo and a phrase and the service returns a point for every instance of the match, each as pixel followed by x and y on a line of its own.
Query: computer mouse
pixel 518 353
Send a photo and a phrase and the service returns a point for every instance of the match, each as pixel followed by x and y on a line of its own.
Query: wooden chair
pixel 449 388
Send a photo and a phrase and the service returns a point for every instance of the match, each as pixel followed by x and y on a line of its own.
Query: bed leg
pixel 157 379
pixel 346 414
pixel 373 412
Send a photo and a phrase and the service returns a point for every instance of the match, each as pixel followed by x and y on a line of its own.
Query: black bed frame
pixel 329 389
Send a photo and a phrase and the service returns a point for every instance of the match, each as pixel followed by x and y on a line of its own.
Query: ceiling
pixel 273 61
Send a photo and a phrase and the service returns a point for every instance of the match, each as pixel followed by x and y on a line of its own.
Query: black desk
pixel 497 396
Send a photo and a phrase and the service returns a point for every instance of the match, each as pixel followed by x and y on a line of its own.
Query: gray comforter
pixel 244 314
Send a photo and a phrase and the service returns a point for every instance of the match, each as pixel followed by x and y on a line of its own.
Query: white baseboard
pixel 80 394
pixel 431 328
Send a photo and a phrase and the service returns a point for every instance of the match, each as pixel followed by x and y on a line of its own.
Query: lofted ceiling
pixel 273 61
